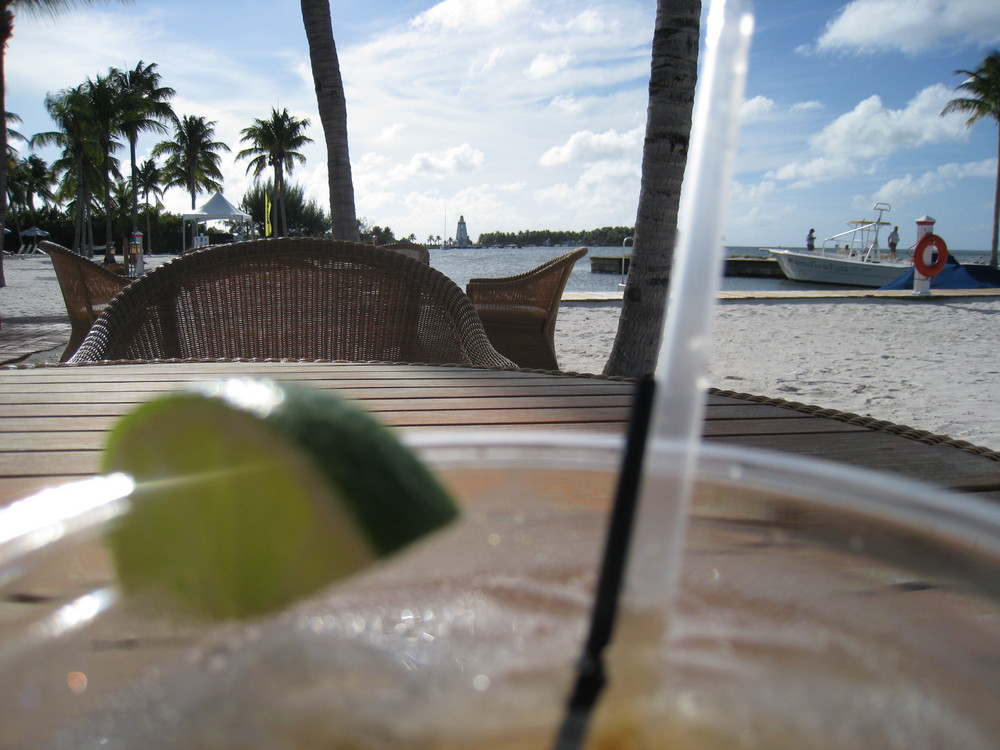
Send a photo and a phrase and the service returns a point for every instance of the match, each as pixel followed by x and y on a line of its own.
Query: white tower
pixel 462 234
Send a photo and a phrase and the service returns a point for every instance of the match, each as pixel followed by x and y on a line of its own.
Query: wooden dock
pixel 763 268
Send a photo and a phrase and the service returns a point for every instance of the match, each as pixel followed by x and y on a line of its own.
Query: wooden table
pixel 53 420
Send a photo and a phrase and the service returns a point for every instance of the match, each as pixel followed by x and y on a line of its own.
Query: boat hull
pixel 831 269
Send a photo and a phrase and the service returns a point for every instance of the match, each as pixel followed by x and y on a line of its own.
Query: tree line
pixel 603 237
pixel 88 187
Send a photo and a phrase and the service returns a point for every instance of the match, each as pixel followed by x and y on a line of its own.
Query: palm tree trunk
pixel 996 206
pixel 6 29
pixel 135 189
pixel 279 189
pixel 333 115
pixel 79 235
pixel 109 228
pixel 149 225
pixel 673 73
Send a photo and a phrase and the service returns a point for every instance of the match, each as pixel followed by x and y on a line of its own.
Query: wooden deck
pixel 53 420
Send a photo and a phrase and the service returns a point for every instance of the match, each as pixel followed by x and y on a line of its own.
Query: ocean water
pixel 462 264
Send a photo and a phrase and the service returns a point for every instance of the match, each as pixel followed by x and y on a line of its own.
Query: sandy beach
pixel 926 363
pixel 930 364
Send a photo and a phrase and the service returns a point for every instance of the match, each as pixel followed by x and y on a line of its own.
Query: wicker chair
pixel 292 298
pixel 412 249
pixel 86 287
pixel 519 312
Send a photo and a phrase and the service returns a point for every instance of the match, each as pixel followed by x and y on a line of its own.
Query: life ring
pixel 932 270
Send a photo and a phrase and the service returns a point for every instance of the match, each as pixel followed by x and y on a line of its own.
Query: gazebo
pixel 214 209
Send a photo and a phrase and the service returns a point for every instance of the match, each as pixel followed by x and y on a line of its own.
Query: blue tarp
pixel 954 276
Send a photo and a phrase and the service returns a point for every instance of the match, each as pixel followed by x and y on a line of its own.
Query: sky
pixel 530 114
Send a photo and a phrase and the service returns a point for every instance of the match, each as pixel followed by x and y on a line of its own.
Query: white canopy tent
pixel 214 209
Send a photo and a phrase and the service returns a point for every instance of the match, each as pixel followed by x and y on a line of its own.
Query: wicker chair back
pixel 293 298
pixel 519 312
pixel 87 287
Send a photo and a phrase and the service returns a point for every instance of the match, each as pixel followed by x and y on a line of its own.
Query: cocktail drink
pixel 818 607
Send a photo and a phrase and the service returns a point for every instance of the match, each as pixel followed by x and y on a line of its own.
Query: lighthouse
pixel 462 234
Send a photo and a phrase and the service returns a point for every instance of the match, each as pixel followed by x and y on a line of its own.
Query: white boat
pixel 851 258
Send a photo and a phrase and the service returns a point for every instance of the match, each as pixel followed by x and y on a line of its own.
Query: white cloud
pixel 806 106
pixel 450 161
pixel 871 129
pixel 855 141
pixel 544 65
pixel 756 108
pixel 905 189
pixel 605 194
pixel 911 26
pixel 466 14
pixel 567 103
pixel 389 132
pixel 585 146
pixel 752 193
pixel 590 21
pixel 814 170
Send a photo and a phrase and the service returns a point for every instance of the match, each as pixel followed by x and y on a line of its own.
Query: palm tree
pixel 673 74
pixel 69 109
pixel 7 10
pixel 274 145
pixel 192 161
pixel 982 87
pixel 147 180
pixel 30 177
pixel 332 115
pixel 106 108
pixel 146 108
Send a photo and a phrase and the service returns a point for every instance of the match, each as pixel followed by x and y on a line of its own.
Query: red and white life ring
pixel 929 240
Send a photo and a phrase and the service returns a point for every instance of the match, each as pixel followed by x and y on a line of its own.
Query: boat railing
pixel 627 243
pixel 862 241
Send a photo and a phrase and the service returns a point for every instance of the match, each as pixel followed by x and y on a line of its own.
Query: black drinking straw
pixel 590 676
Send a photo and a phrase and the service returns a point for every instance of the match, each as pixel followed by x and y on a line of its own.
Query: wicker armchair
pixel 412 249
pixel 86 287
pixel 519 312
pixel 292 298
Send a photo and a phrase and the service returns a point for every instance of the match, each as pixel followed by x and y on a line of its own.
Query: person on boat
pixel 893 241
pixel 811 240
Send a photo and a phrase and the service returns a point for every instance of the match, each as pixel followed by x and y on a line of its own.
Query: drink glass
pixel 818 606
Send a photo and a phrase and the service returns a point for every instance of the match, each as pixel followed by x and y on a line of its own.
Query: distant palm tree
pixel 982 87
pixel 332 115
pixel 106 105
pixel 30 177
pixel 145 108
pixel 192 161
pixel 148 180
pixel 77 164
pixel 7 10
pixel 275 143
pixel 673 74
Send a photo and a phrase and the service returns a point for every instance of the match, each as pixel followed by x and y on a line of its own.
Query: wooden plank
pixel 55 419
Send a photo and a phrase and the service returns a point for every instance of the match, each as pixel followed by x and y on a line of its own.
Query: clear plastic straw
pixel 682 370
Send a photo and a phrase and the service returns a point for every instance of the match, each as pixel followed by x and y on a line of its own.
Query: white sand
pixel 933 364
pixel 930 364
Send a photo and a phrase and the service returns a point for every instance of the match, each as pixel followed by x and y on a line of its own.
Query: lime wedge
pixel 250 494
